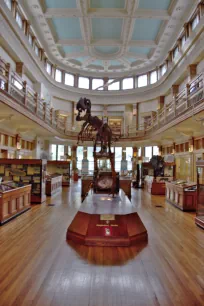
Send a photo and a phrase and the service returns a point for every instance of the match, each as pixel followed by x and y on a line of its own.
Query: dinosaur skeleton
pixel 103 134
pixel 91 124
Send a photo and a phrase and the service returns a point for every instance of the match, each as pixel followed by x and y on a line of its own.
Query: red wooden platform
pixel 124 230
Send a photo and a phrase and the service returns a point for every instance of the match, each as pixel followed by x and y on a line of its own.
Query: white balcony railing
pixel 11 84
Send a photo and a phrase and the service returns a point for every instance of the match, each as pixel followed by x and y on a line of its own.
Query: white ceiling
pixel 107 36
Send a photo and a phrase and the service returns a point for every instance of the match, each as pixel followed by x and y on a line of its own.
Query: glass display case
pixel 199 220
pixel 60 168
pixel 182 194
pixel 24 172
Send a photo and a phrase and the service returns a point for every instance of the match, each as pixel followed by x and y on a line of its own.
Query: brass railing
pixel 10 83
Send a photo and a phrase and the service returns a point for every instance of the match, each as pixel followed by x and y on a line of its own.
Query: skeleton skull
pixel 84 107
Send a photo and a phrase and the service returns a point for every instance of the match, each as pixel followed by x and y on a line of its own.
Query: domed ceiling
pixel 108 35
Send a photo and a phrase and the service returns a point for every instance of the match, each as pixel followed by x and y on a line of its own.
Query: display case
pixel 24 172
pixel 125 185
pixel 14 200
pixel 156 186
pixel 60 168
pixel 199 220
pixel 169 170
pixel 182 194
pixel 86 184
pixel 53 184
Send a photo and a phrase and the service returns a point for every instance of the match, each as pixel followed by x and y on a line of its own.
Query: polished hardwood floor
pixel 39 268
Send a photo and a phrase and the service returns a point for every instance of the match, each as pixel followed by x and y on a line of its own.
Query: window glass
pixel 90 159
pixel 118 158
pixel 69 150
pixel 153 77
pixel 79 155
pixel 139 152
pixel 175 52
pixel 97 83
pixel 127 83
pixel 114 86
pixel 183 40
pixel 155 150
pixel 36 50
pixel 48 68
pixel 58 75
pixel 129 155
pixel 30 39
pixel 195 22
pixel 8 3
pixel 163 69
pixel 148 152
pixel 17 84
pixel 60 152
pixel 19 20
pixel 84 82
pixel 142 80
pixel 69 79
pixel 53 152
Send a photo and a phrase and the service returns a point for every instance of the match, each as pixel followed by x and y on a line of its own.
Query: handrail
pixel 189 97
pixel 12 84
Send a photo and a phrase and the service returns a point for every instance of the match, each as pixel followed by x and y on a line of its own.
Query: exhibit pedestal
pixel 106 221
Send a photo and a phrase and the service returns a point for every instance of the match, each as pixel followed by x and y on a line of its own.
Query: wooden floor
pixel 38 267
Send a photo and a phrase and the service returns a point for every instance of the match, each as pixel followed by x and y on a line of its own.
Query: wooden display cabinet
pixel 24 172
pixel 13 201
pixel 86 183
pixel 53 185
pixel 199 219
pixel 154 186
pixel 125 185
pixel 60 167
pixel 183 196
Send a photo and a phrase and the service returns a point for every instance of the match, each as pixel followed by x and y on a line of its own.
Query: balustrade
pixel 12 84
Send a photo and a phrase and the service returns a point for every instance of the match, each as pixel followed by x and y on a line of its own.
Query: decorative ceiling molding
pixel 106 42
pixel 151 51
pixel 105 13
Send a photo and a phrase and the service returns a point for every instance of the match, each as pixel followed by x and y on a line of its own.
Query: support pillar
pixel 174 90
pixel 74 158
pixel 105 80
pixel 161 102
pixel 192 71
pixel 135 159
pixel 73 113
pixel 20 68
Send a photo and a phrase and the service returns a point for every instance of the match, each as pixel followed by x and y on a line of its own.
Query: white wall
pixel 183 84
pixel 145 107
pixel 43 92
pixel 97 108
pixel 59 104
pixel 116 108
pixel 29 82
pixel 7 58
pixel 168 99
pixel 200 67
pixel 63 105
